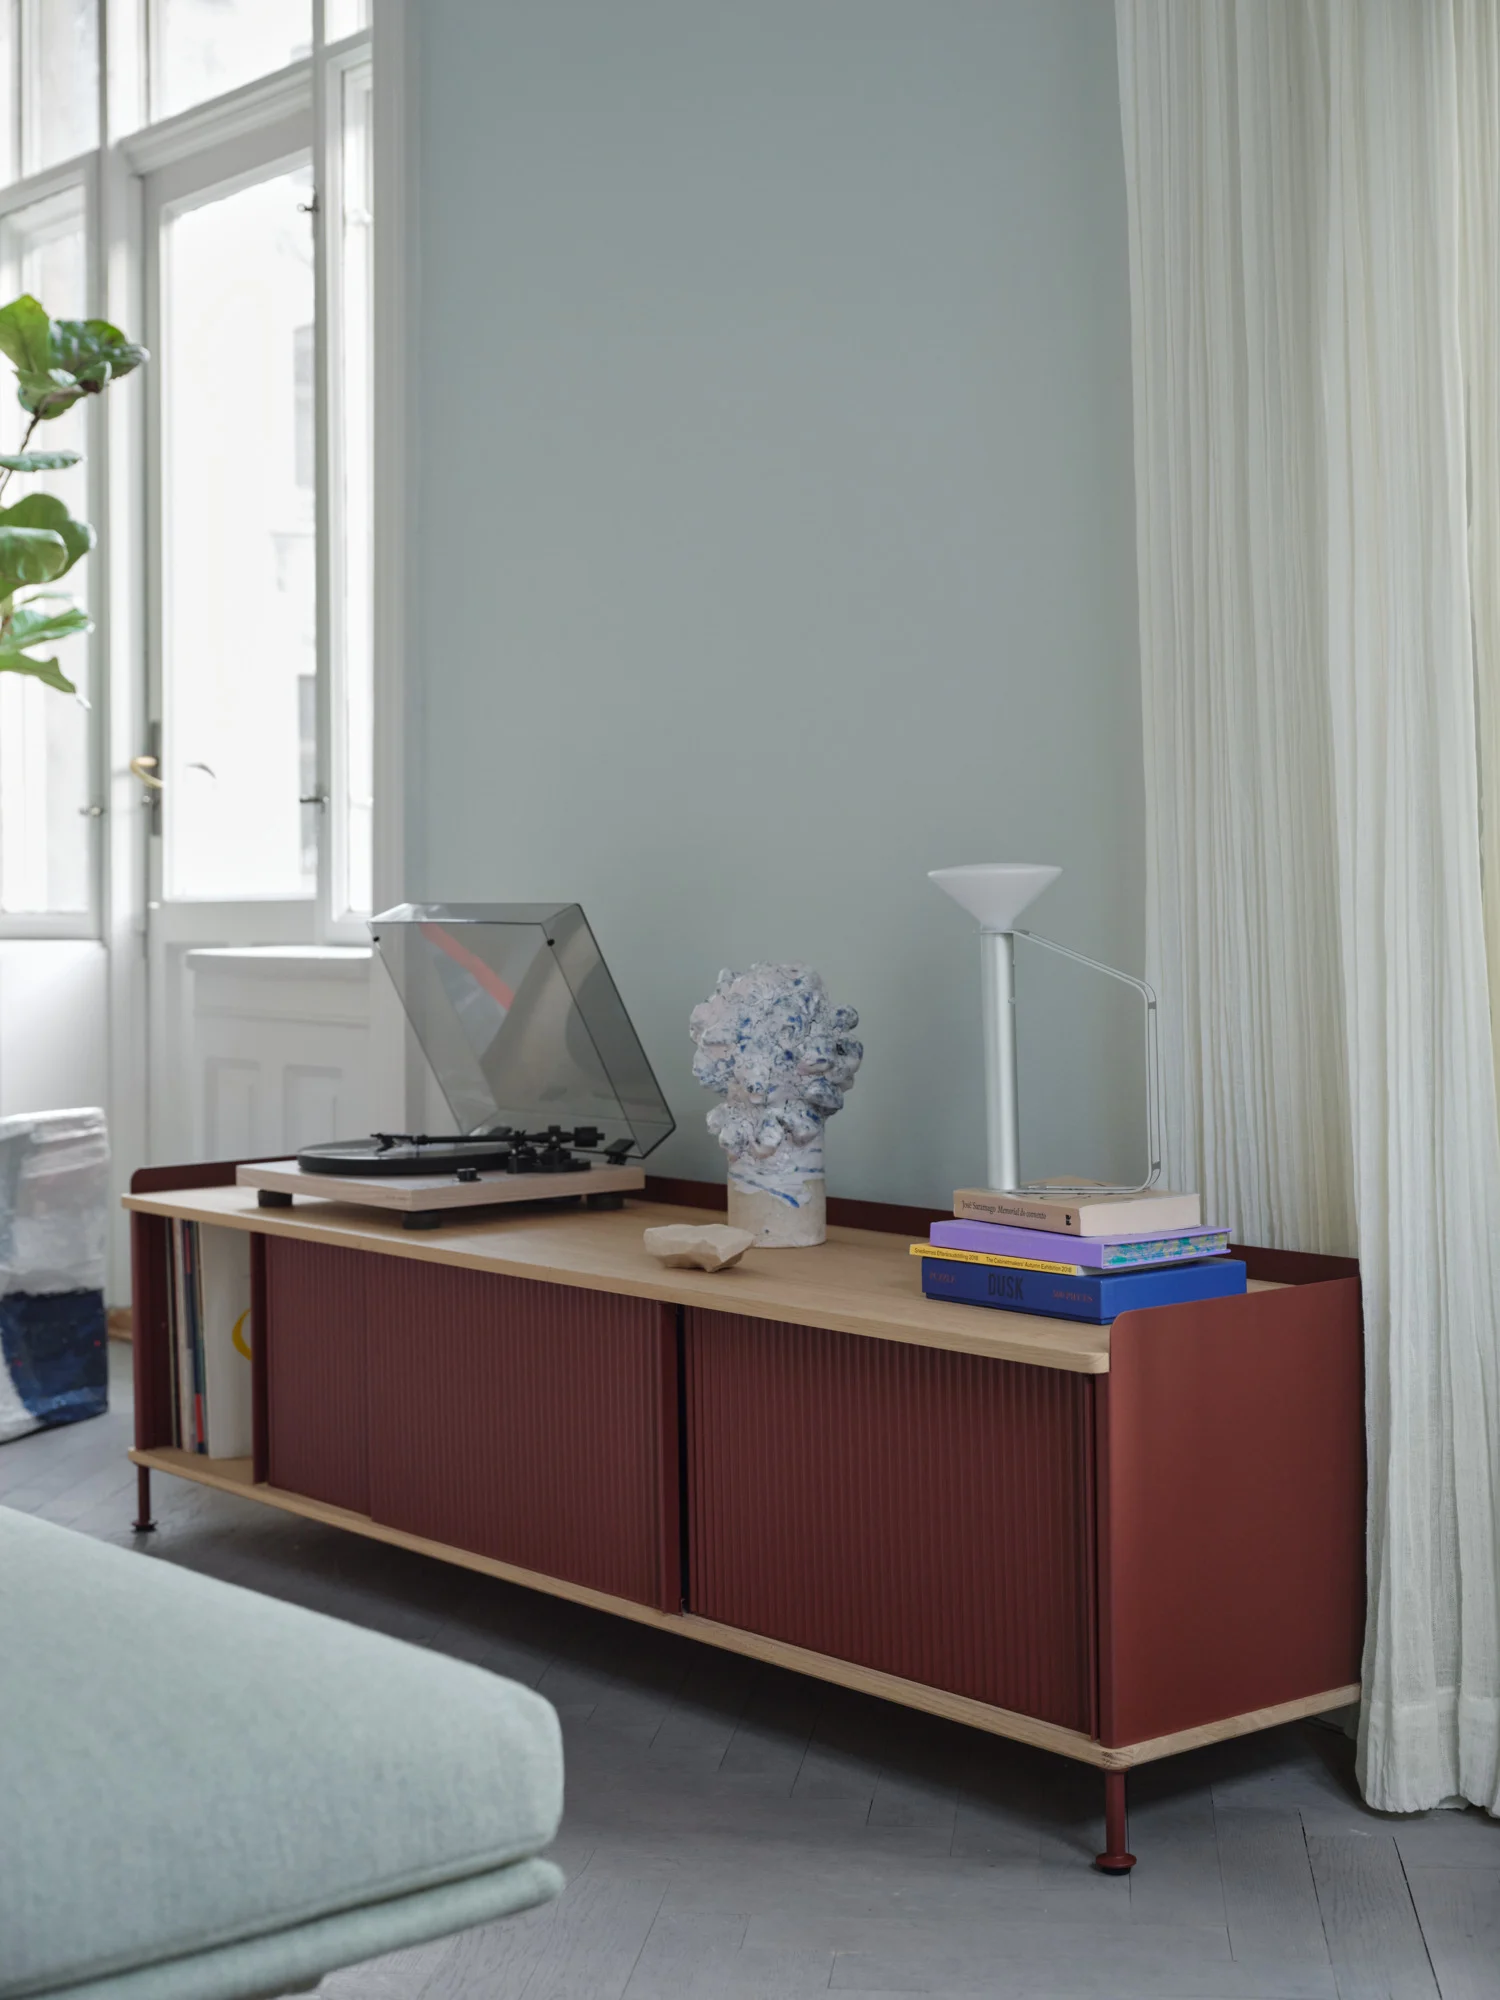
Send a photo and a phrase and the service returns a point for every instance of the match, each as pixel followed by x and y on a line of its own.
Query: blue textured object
pixel 1089 1298
pixel 54 1227
pixel 53 1346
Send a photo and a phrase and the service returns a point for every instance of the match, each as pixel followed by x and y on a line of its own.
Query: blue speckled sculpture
pixel 782 1056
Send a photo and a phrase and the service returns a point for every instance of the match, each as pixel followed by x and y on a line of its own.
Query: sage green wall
pixel 773 525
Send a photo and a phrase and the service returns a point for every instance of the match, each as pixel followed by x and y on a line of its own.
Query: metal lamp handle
pixel 1153 1071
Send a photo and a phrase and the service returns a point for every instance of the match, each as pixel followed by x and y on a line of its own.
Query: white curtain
pixel 1315 278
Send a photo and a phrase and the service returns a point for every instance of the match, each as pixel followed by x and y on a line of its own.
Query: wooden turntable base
pixel 424 1199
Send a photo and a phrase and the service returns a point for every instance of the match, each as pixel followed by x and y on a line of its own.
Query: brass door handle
pixel 142 767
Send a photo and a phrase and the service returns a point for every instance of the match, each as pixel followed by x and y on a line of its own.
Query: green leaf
pixel 12 662
pixel 93 350
pixel 81 357
pixel 41 620
pixel 30 555
pixel 45 510
pixel 38 461
pixel 34 624
pixel 47 392
pixel 26 335
pixel 84 357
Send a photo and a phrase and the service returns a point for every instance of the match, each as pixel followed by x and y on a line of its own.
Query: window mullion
pixel 345 634
pixel 325 127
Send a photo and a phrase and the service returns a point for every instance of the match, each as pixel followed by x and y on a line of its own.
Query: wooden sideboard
pixel 1116 1543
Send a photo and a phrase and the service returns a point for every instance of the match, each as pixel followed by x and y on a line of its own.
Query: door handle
pixel 145 768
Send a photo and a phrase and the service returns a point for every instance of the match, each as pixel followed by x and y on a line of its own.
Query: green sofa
pixel 208 1795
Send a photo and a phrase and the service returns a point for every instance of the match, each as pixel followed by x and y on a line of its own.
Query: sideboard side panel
pixel 1231 1485
pixel 922 1512
pixel 150 1254
pixel 260 1373
pixel 530 1422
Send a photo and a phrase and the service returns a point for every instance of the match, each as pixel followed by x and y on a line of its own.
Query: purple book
pixel 1089 1253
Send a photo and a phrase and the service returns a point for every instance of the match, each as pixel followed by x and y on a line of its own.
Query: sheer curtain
pixel 1315 273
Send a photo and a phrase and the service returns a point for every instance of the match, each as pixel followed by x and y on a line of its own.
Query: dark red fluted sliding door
pixel 318 1309
pixel 533 1423
pixel 926 1513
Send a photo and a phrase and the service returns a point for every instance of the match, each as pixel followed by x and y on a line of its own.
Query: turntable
pixel 550 1090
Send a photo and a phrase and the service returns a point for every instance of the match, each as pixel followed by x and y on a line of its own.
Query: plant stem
pixel 5 475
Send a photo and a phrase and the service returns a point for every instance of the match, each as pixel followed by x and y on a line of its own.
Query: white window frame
pixel 195 177
pixel 112 178
pixel 341 61
pixel 82 174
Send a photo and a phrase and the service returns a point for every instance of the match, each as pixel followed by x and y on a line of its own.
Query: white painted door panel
pixel 281 1041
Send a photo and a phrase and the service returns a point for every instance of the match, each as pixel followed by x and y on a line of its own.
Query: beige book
pixel 224 1275
pixel 1132 1215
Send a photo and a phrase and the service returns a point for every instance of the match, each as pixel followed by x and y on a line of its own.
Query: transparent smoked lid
pixel 517 1013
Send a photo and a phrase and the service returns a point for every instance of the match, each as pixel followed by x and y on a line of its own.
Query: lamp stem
pixel 997 951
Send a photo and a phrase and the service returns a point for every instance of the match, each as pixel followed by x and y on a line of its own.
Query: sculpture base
pixel 778 1224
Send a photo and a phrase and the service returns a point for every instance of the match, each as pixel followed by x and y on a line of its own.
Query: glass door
pixel 258 761
pixel 232 766
pixel 238 655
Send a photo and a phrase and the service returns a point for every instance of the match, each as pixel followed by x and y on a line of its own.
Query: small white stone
pixel 695 1246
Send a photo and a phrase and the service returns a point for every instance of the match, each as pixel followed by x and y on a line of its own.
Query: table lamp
pixel 997 893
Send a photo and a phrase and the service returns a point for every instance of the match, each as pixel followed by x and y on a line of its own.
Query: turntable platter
pixel 384 1154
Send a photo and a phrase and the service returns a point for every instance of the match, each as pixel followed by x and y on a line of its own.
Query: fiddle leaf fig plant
pixel 57 362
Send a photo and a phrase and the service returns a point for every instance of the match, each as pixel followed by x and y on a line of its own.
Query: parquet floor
pixel 736 1833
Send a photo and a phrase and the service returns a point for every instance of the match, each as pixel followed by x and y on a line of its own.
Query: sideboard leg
pixel 1116 1859
pixel 143 1521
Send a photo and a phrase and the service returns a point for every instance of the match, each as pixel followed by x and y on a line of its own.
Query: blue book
pixel 1091 1298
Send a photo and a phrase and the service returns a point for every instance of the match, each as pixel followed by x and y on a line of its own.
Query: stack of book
pixel 1084 1256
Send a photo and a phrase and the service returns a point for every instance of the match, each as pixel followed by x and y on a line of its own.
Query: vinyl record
pixel 356 1157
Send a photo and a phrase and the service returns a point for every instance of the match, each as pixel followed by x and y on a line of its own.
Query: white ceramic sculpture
pixel 697 1246
pixel 782 1056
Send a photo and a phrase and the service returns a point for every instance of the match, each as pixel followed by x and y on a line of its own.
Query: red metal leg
pixel 1116 1859
pixel 143 1521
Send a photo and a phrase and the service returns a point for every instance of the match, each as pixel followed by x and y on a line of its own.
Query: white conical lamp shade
pixel 996 892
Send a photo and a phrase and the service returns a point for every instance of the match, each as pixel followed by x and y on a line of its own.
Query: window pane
pixel 10 132
pixel 60 68
pixel 45 764
pixel 239 637
pixel 355 426
pixel 201 48
pixel 344 17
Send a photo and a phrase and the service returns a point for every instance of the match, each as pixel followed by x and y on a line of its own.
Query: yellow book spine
pixel 1012 1263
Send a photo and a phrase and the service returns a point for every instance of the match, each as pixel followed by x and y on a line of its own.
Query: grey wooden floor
pixel 733 1831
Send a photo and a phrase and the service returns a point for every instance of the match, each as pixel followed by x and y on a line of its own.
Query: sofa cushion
pixel 186 1766
pixel 276 1964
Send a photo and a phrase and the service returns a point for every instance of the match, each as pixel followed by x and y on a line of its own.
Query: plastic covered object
pixel 54 1211
pixel 517 1013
